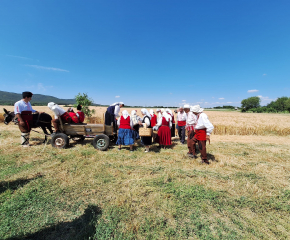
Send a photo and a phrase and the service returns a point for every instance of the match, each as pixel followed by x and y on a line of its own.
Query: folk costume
pixel 159 114
pixel 112 113
pixel 173 122
pixel 58 113
pixel 147 141
pixel 135 119
pixel 73 115
pixel 25 110
pixel 190 122
pixel 153 118
pixel 80 114
pixel 203 128
pixel 181 121
pixel 164 133
pixel 125 135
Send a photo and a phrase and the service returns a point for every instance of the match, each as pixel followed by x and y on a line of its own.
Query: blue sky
pixel 147 52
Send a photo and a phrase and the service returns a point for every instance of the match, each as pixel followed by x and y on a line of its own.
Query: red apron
pixel 200 134
pixel 27 117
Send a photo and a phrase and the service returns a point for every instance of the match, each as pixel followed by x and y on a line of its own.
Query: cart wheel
pixel 60 140
pixel 78 138
pixel 101 142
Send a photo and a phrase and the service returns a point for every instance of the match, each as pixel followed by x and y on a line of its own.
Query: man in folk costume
pixel 112 113
pixel 181 121
pixel 126 134
pixel 146 122
pixel 203 128
pixel 23 111
pixel 58 113
pixel 164 125
pixel 190 122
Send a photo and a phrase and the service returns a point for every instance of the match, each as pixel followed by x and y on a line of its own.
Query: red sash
pixel 200 134
pixel 181 123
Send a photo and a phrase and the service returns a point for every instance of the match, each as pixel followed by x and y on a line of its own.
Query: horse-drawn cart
pixel 100 133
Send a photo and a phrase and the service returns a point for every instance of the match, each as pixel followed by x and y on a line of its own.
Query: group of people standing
pixel 190 119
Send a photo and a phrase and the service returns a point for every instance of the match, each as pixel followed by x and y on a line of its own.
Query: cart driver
pixel 58 113
pixel 23 111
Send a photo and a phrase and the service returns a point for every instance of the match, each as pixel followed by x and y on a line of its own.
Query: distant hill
pixel 9 98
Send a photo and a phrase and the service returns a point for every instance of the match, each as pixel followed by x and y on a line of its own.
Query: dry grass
pixel 159 195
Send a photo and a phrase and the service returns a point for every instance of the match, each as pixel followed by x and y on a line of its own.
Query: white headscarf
pixel 145 111
pixel 157 110
pixel 169 111
pixel 133 112
pixel 196 109
pixel 125 114
pixel 120 103
pixel 50 105
pixel 167 116
pixel 151 112
pixel 162 110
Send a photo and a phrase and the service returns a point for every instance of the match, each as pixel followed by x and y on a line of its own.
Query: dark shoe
pixel 119 149
pixel 191 155
pixel 205 162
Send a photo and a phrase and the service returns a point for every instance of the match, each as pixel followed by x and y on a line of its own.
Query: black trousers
pixel 109 119
pixel 181 133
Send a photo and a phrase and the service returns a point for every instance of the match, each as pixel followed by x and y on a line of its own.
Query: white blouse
pixel 159 123
pixel 191 119
pixel 203 122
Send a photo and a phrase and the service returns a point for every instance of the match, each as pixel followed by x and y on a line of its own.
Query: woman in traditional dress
pixel 173 122
pixel 164 133
pixel 135 119
pixel 125 135
pixel 159 114
pixel 153 118
pixel 146 121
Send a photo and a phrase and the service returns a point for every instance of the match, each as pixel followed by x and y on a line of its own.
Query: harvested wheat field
pixel 82 193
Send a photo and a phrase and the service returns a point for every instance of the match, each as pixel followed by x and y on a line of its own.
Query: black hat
pixel 27 94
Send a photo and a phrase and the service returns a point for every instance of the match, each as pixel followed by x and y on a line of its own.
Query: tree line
pixel 253 104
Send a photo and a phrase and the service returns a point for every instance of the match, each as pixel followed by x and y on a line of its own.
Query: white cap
pixel 196 109
pixel 186 106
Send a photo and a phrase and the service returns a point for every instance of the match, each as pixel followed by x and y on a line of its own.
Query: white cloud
pixel 252 91
pixel 183 100
pixel 264 74
pixel 229 102
pixel 24 58
pixel 47 68
pixel 117 96
pixel 221 98
pixel 212 97
pixel 265 100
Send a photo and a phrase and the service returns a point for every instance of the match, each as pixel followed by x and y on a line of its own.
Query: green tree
pixel 287 105
pixel 279 105
pixel 85 102
pixel 251 102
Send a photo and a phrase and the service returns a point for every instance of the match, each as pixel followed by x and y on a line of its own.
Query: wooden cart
pixel 100 133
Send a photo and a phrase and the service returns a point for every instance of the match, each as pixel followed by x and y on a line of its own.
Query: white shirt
pixel 117 110
pixel 190 119
pixel 58 111
pixel 181 116
pixel 203 122
pixel 131 122
pixel 22 106
pixel 147 122
pixel 159 123
pixel 159 115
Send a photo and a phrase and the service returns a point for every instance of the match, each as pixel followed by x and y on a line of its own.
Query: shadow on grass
pixel 13 185
pixel 82 227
